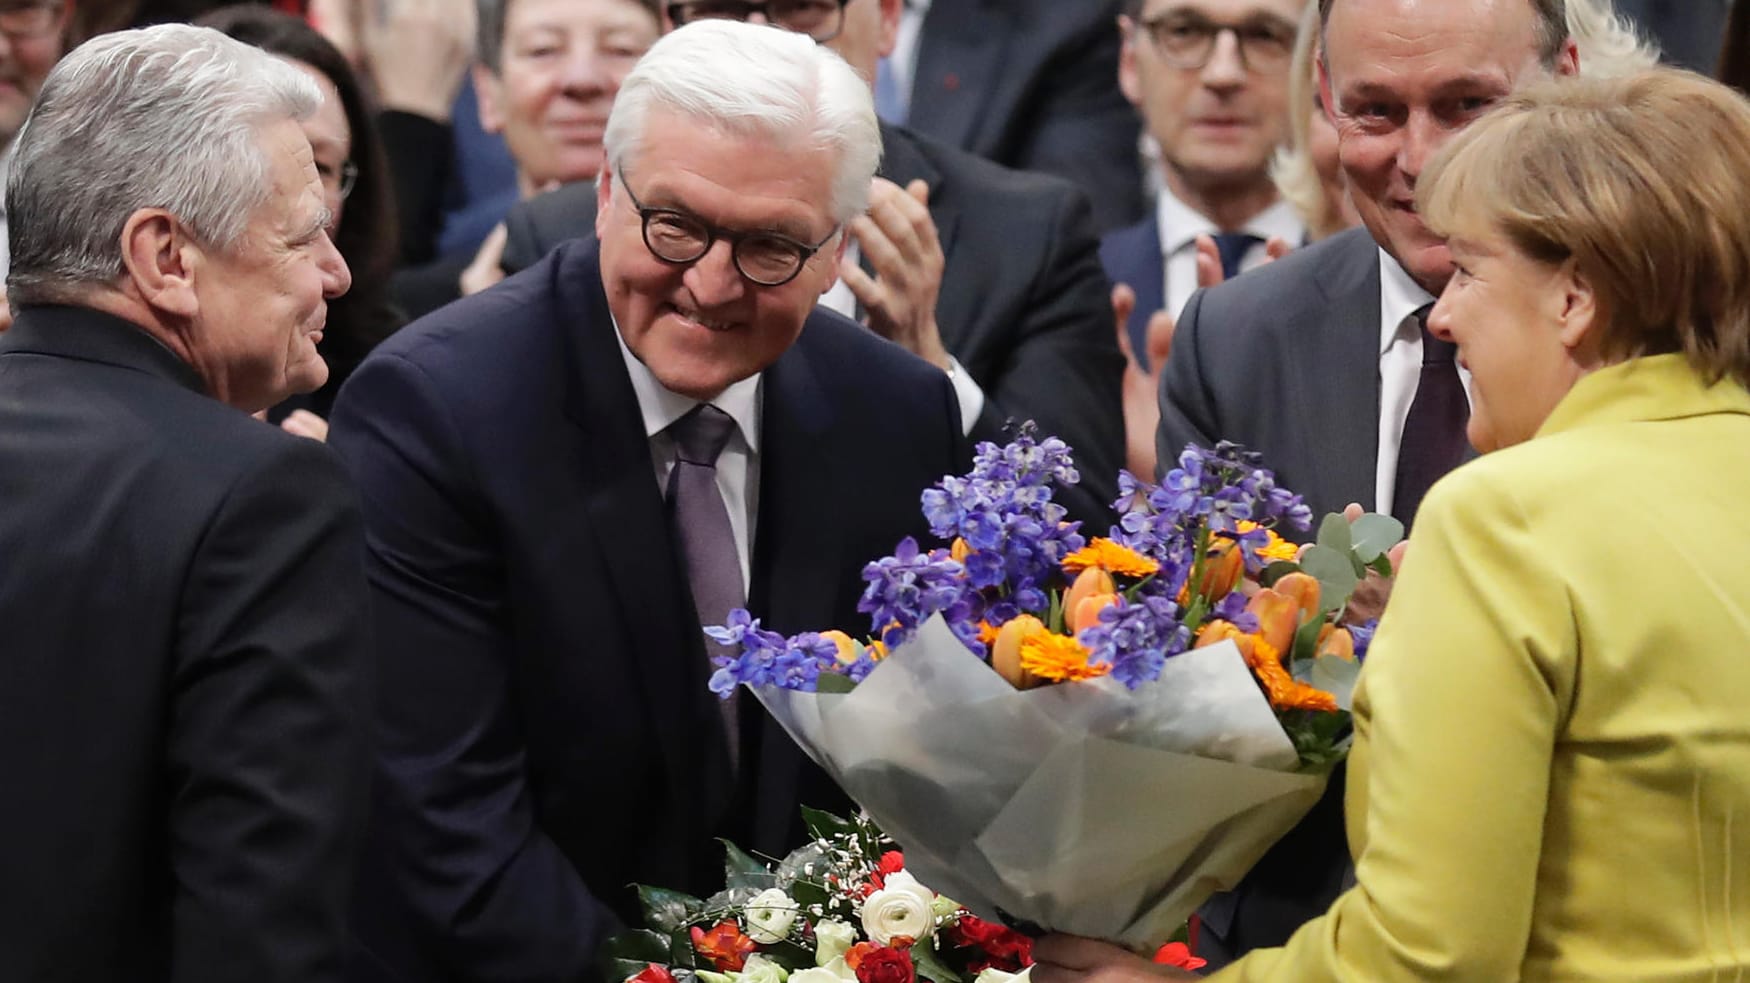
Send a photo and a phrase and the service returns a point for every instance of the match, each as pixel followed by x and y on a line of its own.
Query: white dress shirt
pixel 1400 369
pixel 903 62
pixel 738 472
pixel 966 391
pixel 1181 225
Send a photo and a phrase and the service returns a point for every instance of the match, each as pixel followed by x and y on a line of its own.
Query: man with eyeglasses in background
pixel 566 476
pixel 991 275
pixel 1210 78
pixel 32 39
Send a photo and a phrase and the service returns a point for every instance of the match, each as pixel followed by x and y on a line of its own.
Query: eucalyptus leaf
pixel 1374 534
pixel 1276 571
pixel 930 966
pixel 1336 676
pixel 1334 533
pixel 667 911
pixel 1336 575
pixel 833 682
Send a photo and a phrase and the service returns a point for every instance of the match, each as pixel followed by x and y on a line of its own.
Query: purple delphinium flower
pixel 1362 634
pixel 908 587
pixel 1136 638
pixel 766 657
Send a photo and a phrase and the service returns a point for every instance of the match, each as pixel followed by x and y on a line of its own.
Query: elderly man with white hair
pixel 569 474
pixel 182 682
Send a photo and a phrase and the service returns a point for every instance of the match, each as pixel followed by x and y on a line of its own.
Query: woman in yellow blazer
pixel 1551 771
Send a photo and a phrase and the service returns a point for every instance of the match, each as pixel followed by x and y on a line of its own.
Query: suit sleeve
pixel 267 737
pixel 522 241
pixel 497 897
pixel 1065 369
pixel 1188 411
pixel 1459 710
pixel 419 159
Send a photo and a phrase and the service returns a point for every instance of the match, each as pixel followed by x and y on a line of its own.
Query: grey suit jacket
pixel 1033 84
pixel 1285 360
pixel 1024 303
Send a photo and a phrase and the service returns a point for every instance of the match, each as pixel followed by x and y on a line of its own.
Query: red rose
pixel 885 965
pixel 652 973
pixel 723 946
pixel 1178 954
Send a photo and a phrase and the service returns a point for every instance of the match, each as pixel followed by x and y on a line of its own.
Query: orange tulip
pixel 1338 642
pixel 1005 654
pixel 1088 583
pixel 1278 617
pixel 1304 588
pixel 848 649
pixel 1087 612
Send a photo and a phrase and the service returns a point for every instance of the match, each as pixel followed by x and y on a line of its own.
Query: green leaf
pixel 1374 534
pixel 789 954
pixel 1382 565
pixel 1334 533
pixel 833 682
pixel 1276 571
pixel 1306 640
pixel 1336 575
pixel 743 871
pixel 667 911
pixel 930 966
pixel 1336 676
pixel 627 954
pixel 824 825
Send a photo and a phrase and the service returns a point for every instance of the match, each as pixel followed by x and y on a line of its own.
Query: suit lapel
pixel 797 560
pixel 957 59
pixel 626 516
pixel 1341 352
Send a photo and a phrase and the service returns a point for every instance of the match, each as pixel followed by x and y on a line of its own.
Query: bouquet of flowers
pixel 841 909
pixel 1165 702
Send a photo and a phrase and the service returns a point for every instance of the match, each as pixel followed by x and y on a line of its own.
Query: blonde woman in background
pixel 1306 170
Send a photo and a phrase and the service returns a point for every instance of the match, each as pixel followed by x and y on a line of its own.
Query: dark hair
pixel 1734 66
pixel 363 316
pixel 489 28
pixel 1552 26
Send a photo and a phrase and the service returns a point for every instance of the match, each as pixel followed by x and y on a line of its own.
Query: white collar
pixel 1181 224
pixel 661 406
pixel 1399 297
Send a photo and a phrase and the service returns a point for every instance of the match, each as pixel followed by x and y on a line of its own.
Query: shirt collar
pixel 1181 224
pixel 661 406
pixel 1399 297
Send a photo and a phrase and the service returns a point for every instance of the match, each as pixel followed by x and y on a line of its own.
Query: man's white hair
pixel 163 117
pixel 754 80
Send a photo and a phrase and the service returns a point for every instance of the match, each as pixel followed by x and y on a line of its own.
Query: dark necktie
pixel 701 525
pixel 1233 247
pixel 1434 439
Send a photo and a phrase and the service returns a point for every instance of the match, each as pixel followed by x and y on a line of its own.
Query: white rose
pixel 994 975
pixel 759 969
pixel 901 907
pixel 769 916
pixel 832 939
pixel 835 971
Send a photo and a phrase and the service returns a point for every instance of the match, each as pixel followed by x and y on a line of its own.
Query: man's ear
pixel 604 198
pixel 1568 63
pixel 891 12
pixel 161 261
pixel 1327 101
pixel 489 98
pixel 1129 82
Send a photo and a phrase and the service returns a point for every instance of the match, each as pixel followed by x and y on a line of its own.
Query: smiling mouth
pixel 718 327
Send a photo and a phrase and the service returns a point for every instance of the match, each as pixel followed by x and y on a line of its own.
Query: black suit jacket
pixel 547 738
pixel 1033 84
pixel 1024 304
pixel 1285 360
pixel 182 689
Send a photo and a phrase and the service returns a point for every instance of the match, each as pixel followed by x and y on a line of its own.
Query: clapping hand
pixel 899 239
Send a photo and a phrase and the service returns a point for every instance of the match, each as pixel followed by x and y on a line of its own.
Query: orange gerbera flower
pixel 1111 557
pixel 1059 658
pixel 987 632
pixel 1285 692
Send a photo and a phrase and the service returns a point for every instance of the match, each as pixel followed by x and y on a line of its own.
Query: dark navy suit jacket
pixel 1132 256
pixel 546 738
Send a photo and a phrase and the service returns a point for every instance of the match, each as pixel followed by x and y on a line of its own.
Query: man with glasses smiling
pixel 32 40
pixel 989 274
pixel 566 476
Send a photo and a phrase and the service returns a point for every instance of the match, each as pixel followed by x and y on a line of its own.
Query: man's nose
pixel 1226 67
pixel 336 277
pixel 713 278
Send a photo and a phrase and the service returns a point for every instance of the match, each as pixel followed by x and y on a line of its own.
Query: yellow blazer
pixel 1551 772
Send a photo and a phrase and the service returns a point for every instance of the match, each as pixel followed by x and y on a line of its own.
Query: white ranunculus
pixel 832 939
pixel 901 907
pixel 835 971
pixel 769 916
pixel 759 969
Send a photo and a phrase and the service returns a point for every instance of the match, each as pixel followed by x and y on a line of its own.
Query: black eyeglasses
pixel 767 258
pixel 1187 41
pixel 29 21
pixel 819 19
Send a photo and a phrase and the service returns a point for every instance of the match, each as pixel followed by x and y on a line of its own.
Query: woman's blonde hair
pixel 1297 180
pixel 1640 182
